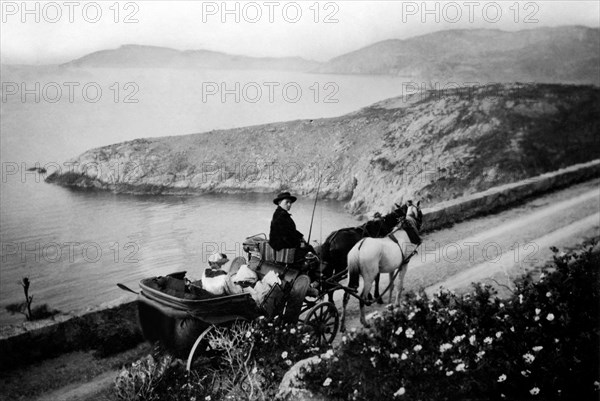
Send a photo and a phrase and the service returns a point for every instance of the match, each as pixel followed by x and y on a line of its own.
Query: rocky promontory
pixel 433 145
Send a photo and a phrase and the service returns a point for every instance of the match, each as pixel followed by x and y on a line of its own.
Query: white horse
pixel 372 256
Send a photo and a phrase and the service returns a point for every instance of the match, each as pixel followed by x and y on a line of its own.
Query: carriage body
pixel 175 320
pixel 170 312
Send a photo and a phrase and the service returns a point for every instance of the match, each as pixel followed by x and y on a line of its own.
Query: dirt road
pixel 506 245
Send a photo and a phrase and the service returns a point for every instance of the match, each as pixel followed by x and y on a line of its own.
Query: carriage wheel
pixel 199 340
pixel 324 320
pixel 204 349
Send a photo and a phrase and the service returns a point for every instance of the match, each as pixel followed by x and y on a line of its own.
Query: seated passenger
pixel 215 263
pixel 214 278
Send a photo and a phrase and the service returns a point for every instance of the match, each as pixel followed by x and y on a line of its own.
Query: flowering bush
pixel 279 346
pixel 140 381
pixel 541 343
pixel 247 361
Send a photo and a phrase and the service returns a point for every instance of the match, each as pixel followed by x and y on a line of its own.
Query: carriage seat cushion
pixel 269 254
pixel 260 244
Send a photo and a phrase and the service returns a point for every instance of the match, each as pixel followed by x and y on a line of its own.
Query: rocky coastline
pixel 435 146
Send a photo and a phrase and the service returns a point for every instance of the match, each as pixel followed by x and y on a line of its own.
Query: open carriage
pixel 173 312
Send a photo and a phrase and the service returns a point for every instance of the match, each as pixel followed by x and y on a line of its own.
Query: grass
pixel 29 382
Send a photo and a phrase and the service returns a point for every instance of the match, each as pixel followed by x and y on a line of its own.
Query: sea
pixel 75 245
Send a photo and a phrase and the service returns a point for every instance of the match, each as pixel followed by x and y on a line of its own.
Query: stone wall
pixel 497 198
pixel 111 327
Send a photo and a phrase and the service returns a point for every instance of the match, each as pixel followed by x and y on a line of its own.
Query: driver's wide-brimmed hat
pixel 282 196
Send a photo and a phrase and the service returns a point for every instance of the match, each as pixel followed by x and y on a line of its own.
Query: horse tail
pixel 325 256
pixel 325 246
pixel 354 265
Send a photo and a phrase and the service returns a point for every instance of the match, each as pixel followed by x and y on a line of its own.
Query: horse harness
pixel 412 236
pixel 395 240
pixel 402 262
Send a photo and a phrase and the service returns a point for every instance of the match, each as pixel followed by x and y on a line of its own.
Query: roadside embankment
pixel 115 324
pixel 109 328
pixel 494 199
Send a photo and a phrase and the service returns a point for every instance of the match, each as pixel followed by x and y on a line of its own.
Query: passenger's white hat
pixel 219 258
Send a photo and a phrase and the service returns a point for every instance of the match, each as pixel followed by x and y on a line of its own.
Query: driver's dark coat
pixel 283 231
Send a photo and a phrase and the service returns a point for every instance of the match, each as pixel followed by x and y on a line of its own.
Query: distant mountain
pixel 137 56
pixel 568 54
pixel 434 146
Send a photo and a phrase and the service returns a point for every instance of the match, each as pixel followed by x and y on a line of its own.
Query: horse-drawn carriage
pixel 173 312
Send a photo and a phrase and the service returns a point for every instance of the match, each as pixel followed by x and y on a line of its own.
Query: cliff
pixel 434 146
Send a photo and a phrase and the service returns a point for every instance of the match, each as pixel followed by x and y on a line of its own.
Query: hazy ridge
pixel 567 54
pixel 138 56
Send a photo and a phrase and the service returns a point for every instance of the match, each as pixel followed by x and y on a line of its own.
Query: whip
pixel 314 207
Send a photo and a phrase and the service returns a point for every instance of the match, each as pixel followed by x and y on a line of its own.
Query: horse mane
pixel 371 228
pixel 386 223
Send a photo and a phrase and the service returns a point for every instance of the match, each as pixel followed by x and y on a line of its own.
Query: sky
pixel 51 32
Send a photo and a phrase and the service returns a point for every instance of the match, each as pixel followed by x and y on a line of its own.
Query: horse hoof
pixel 342 329
pixel 380 301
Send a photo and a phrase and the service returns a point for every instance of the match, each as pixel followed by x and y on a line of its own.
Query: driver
pixel 283 232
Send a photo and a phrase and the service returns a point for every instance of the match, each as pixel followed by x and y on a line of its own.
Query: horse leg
pixel 327 271
pixel 401 275
pixel 391 287
pixel 377 295
pixel 365 292
pixel 334 269
pixel 330 292
pixel 344 303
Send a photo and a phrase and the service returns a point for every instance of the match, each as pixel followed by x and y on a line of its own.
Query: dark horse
pixel 335 248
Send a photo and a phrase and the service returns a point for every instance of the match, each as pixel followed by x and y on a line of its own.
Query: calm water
pixel 75 245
